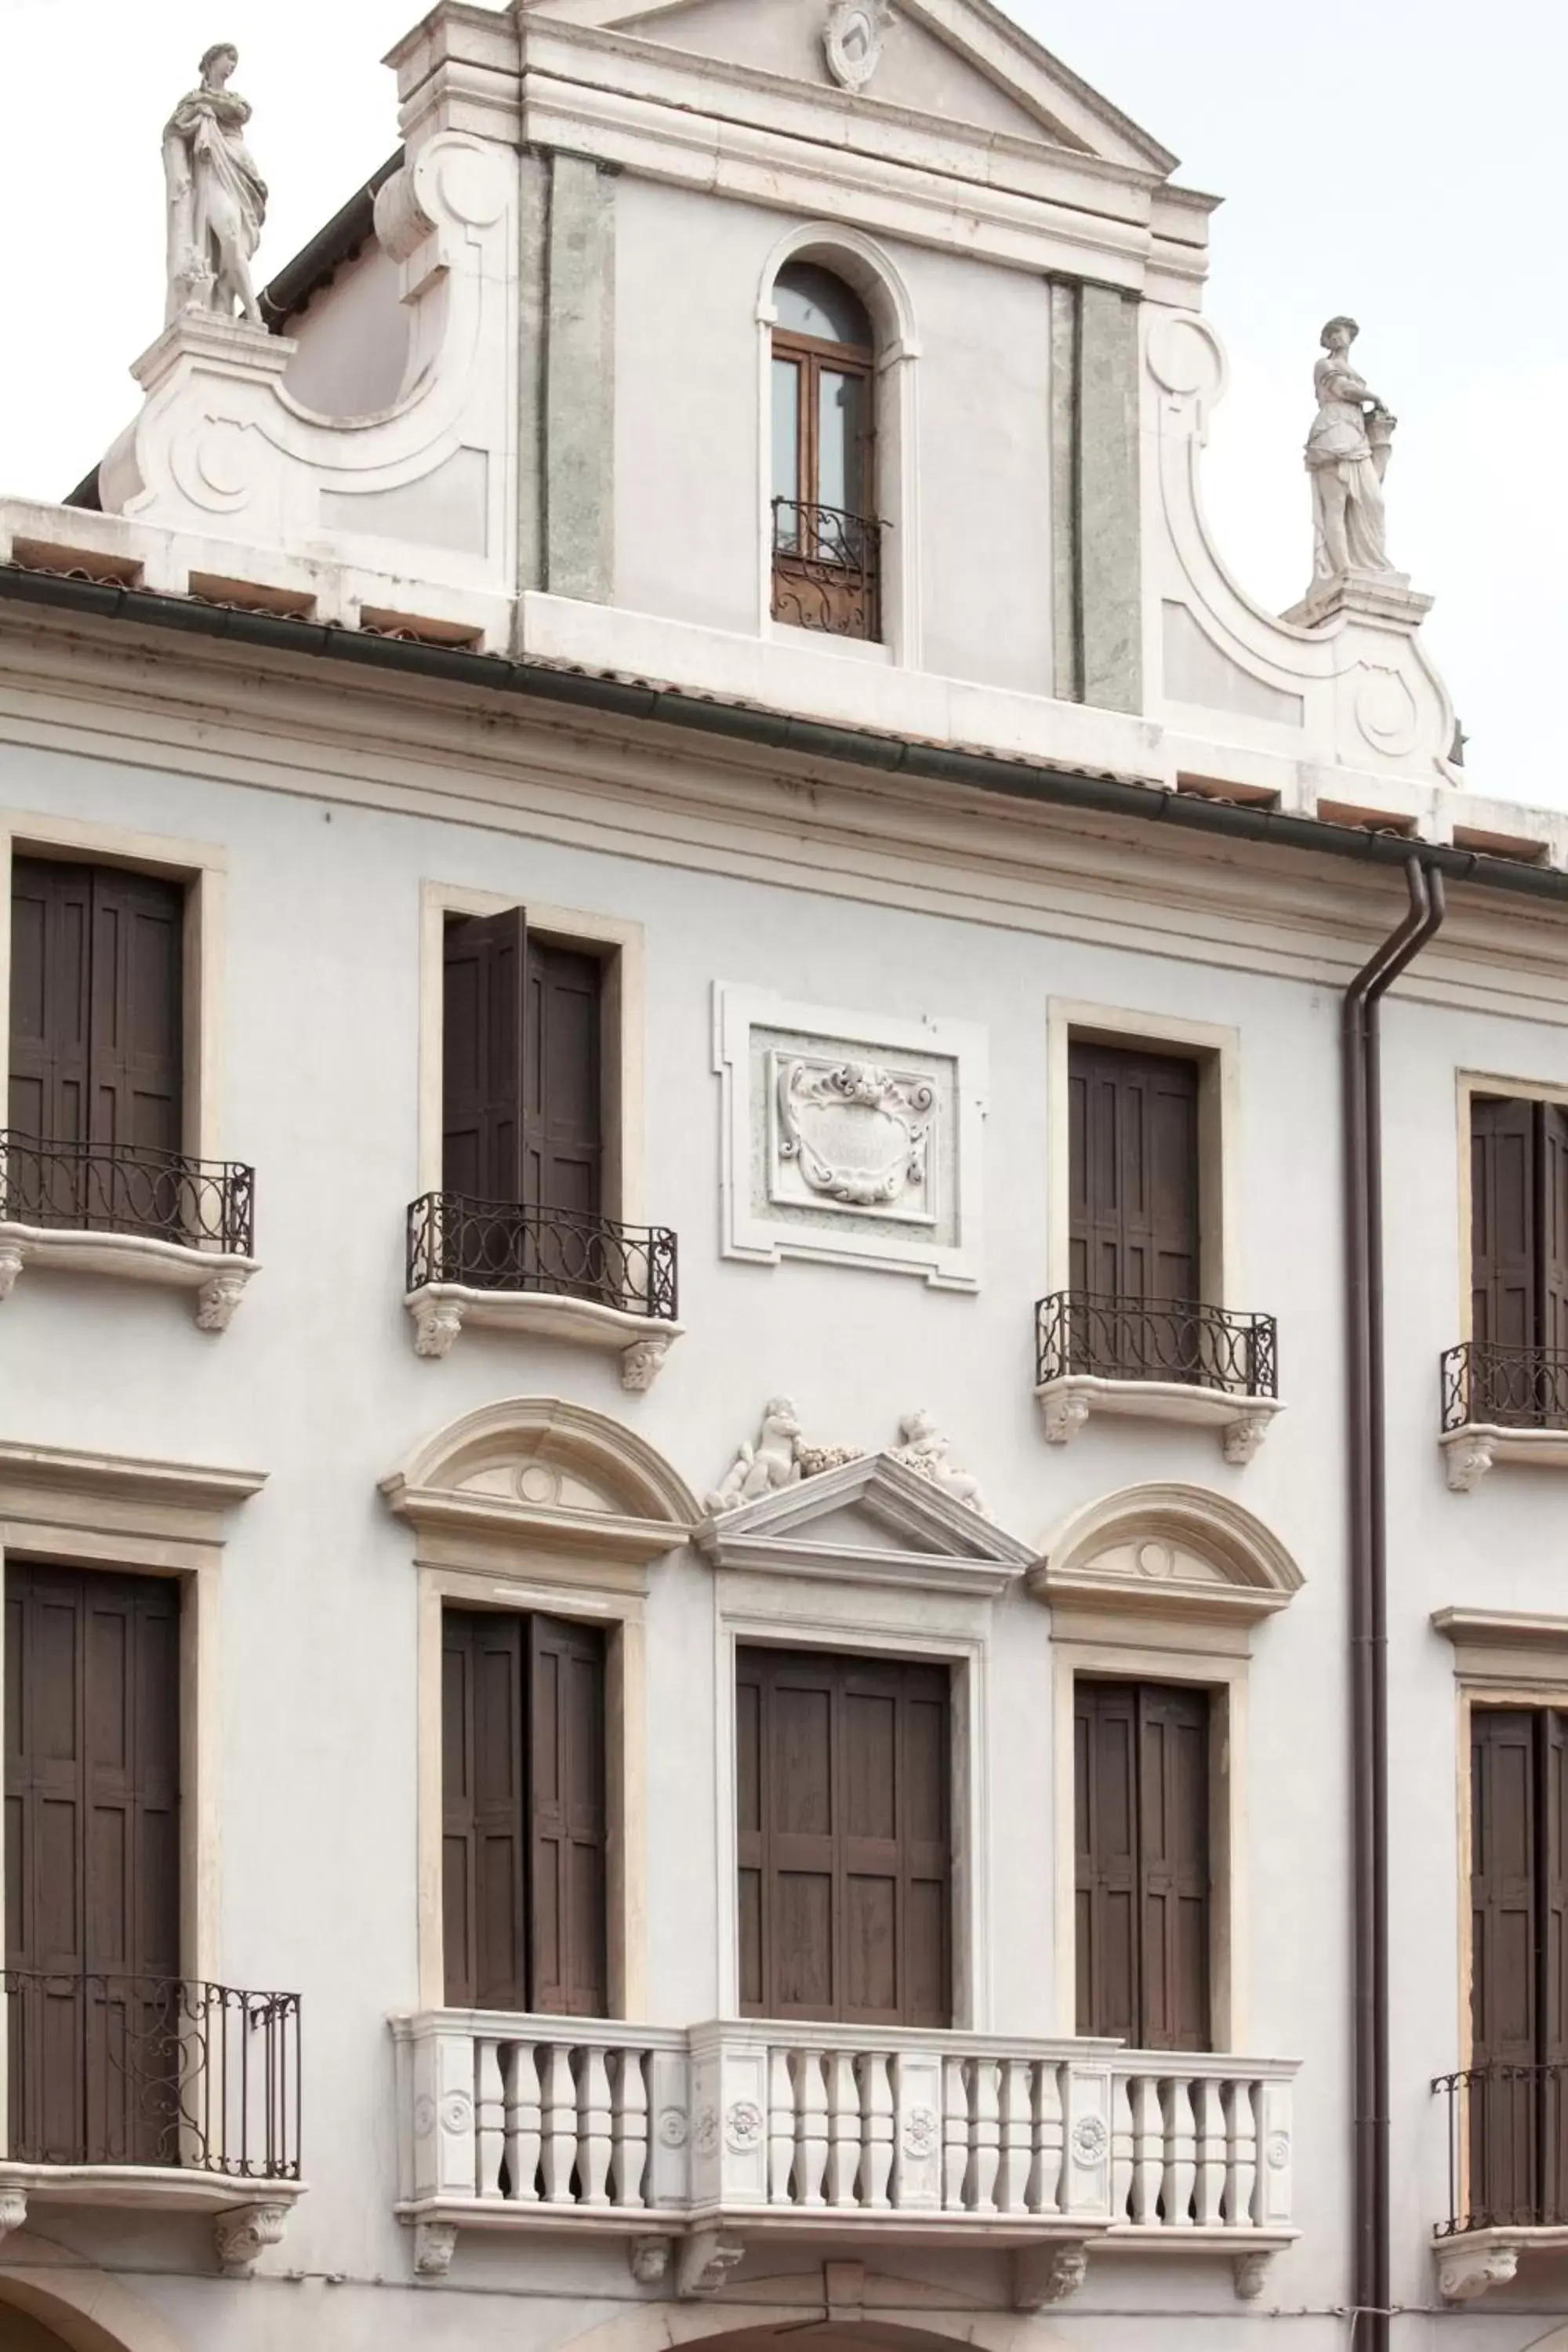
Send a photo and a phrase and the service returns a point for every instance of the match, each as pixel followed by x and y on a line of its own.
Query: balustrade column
pixel 843 2128
pixel 1181 2153
pixel 490 2116
pixel 1148 2149
pixel 877 2124
pixel 1209 2181
pixel 558 2120
pixel 1241 2155
pixel 810 2144
pixel 628 2129
pixel 592 2126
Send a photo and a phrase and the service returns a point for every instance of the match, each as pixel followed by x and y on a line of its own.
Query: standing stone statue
pixel 1347 457
pixel 217 197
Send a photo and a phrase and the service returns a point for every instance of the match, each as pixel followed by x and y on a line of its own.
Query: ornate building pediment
pixel 1167 1552
pixel 541 1476
pixel 874 1522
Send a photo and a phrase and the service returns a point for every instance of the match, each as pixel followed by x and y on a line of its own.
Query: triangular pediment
pixel 873 1520
pixel 953 60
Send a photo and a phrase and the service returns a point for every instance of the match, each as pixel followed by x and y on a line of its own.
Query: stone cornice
pixel 425 748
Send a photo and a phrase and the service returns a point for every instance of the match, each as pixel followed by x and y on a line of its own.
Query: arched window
pixel 823 473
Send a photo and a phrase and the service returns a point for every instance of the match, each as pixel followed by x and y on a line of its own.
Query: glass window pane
pixel 840 438
pixel 812 301
pixel 786 430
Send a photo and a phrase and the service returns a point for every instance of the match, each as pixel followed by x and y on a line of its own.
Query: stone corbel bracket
pixel 223 449
pixel 1470 2266
pixel 1470 1452
pixel 441 1310
pixel 1242 1421
pixel 217 1282
pixel 243 2235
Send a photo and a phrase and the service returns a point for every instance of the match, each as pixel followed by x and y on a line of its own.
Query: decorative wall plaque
pixel 851 1137
pixel 852 40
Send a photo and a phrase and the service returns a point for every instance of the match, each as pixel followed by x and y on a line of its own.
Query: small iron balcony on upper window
pixel 517 1238
pixel 1505 1389
pixel 92 1174
pixel 1132 1335
pixel 826 547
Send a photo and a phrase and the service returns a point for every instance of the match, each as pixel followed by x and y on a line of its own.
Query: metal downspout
pixel 1369 1592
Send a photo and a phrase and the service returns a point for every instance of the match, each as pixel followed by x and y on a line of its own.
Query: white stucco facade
pixel 562 515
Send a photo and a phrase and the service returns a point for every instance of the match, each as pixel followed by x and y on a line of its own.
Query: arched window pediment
pixel 1167 1552
pixel 546 1474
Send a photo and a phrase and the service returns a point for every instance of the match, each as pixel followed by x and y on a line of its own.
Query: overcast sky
pixel 1398 159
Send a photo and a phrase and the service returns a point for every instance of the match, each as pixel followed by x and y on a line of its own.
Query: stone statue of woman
pixel 218 199
pixel 1347 457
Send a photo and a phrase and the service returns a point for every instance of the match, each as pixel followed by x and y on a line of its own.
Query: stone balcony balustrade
pixel 695 2145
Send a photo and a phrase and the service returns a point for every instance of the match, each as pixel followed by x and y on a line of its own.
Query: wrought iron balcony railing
pixel 826 569
pixel 152 2071
pixel 1105 1337
pixel 118 1189
pixel 1508 2148
pixel 497 1246
pixel 1515 1387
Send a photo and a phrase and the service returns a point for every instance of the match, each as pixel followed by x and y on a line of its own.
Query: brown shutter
pixel 845 1841
pixel 1553 1252
pixel 484 970
pixel 564 1138
pixel 566 1840
pixel 138 949
pixel 1173 1811
pixel 1553 1990
pixel 1503 1203
pixel 51 989
pixel 92 1803
pixel 1142 1863
pixel 1503 1970
pixel 1133 1173
pixel 482 1861
pixel 1105 1732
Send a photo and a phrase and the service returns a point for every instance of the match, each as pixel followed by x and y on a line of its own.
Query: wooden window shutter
pixel 1133 1173
pixel 1106 1796
pixel 566 1831
pixel 1174 1815
pixel 1503 1208
pixel 137 1026
pixel 845 1839
pixel 563 1142
pixel 485 964
pixel 1142 1863
pixel 1553 1986
pixel 483 1874
pixel 51 994
pixel 1553 1252
pixel 1503 1971
pixel 92 1857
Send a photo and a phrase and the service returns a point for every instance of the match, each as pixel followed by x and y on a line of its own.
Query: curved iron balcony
pixel 497 1246
pixel 97 1188
pixel 1502 1404
pixel 1508 2174
pixel 1099 1335
pixel 826 569
pixel 1514 1388
pixel 159 2072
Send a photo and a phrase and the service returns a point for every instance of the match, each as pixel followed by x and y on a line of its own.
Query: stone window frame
pixel 1215 1047
pixel 202 866
pixel 125 1515
pixel 216 1278
pixel 622 1035
pixel 762 1609
pixel 1467 1084
pixel 482 1552
pixel 1501 1658
pixel 1164 1628
pixel 849 254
